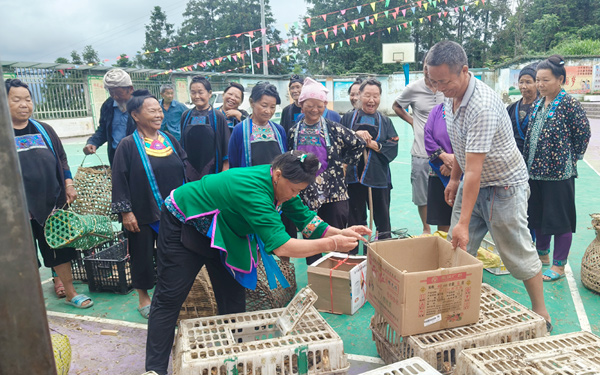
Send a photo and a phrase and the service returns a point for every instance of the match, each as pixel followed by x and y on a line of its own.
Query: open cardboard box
pixel 346 283
pixel 423 285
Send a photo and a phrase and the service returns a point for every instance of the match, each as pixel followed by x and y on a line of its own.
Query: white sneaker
pixel 150 373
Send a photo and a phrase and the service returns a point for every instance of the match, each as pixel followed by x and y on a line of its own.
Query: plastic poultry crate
pixel 254 344
pixel 576 353
pixel 411 366
pixel 501 320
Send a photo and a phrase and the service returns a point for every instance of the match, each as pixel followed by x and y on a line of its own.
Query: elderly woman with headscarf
pixel 224 221
pixel 520 110
pixel 334 145
pixel 148 165
pixel 204 133
pixel 115 122
pixel 47 181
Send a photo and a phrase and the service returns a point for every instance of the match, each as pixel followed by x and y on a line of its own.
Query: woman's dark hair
pixel 372 82
pixel 237 86
pixel 556 64
pixel 357 81
pixel 10 83
pixel 264 88
pixel 296 78
pixel 203 81
pixel 297 166
pixel 137 100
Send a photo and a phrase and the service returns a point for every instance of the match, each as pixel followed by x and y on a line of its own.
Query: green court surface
pixel 571 306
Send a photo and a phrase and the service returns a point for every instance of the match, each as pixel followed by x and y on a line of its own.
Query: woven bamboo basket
pixel 67 229
pixel 200 302
pixel 265 298
pixel 94 190
pixel 590 264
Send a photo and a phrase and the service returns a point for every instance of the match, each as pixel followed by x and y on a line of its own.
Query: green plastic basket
pixel 68 229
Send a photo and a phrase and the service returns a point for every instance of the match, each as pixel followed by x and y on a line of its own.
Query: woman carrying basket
pixel 47 180
pixel 223 221
pixel 148 164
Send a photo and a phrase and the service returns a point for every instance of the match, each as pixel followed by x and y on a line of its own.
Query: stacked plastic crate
pixel 294 340
pixel 501 320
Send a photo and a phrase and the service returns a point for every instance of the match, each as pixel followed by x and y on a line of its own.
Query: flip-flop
pixel 78 301
pixel 144 311
pixel 553 275
pixel 59 289
pixel 549 327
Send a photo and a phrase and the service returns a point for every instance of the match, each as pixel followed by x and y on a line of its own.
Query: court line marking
pixel 591 166
pixel 584 323
pixel 365 358
pixel 47 281
pixel 97 319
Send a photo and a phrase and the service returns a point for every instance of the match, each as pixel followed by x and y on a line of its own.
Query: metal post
pixel 264 38
pixel 25 346
pixel 251 53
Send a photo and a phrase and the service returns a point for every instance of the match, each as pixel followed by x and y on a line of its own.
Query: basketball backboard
pixel 394 53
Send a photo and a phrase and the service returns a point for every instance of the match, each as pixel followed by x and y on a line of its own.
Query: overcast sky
pixel 42 30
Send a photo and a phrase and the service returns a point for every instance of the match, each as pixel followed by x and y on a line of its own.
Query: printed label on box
pixel 432 320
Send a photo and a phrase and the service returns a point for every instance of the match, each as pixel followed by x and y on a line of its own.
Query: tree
pixel 90 55
pixel 124 62
pixel 207 20
pixel 75 58
pixel 159 36
pixel 61 60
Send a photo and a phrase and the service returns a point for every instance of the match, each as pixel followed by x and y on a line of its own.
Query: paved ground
pixel 572 307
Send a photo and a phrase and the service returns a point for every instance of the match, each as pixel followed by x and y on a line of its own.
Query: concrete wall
pixel 73 127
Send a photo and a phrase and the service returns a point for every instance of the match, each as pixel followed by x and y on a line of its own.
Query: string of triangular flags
pixel 287 42
pixel 413 5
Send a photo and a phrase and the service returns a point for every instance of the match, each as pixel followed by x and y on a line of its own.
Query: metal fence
pixel 64 93
pixel 56 93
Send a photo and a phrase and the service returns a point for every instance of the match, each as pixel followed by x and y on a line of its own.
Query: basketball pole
pixel 24 331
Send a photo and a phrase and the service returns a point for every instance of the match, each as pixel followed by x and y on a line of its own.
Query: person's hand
pixel 365 135
pixel 344 243
pixel 234 113
pixel 357 231
pixel 70 191
pixel 445 171
pixel 373 145
pixel 450 192
pixel 460 236
pixel 130 222
pixel 447 159
pixel 89 149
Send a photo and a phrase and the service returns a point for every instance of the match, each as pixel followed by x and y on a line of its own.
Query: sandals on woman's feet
pixel 59 288
pixel 78 301
pixel 552 275
pixel 144 311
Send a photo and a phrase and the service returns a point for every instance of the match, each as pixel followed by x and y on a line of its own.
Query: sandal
pixel 552 275
pixel 78 301
pixel 59 288
pixel 144 311
pixel 549 327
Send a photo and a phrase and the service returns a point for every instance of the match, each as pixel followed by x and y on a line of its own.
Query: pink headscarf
pixel 313 90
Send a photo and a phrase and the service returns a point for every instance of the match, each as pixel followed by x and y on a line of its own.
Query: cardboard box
pixel 422 285
pixel 342 276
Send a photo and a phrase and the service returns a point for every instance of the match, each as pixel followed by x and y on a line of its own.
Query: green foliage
pixel 90 55
pixel 578 47
pixel 546 26
pixel 75 58
pixel 61 60
pixel 206 20
pixel 124 62
pixel 159 34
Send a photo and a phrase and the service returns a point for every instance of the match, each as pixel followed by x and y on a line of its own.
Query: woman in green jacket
pixel 224 220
